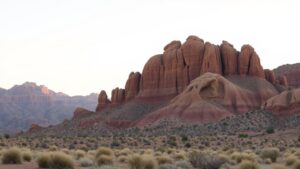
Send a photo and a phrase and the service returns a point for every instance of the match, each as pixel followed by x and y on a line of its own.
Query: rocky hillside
pixel 22 105
pixel 292 73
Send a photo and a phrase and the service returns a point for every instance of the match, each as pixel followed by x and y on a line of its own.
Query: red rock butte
pixel 166 75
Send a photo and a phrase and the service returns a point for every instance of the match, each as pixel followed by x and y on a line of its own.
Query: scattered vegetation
pixel 12 156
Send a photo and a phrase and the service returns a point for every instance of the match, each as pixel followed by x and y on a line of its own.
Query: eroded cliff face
pixel 166 75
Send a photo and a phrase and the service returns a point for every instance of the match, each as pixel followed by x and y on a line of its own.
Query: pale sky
pixel 83 46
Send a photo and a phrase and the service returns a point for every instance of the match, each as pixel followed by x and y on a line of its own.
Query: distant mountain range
pixel 23 105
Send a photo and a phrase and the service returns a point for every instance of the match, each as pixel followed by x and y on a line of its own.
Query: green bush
pixel 270 130
pixel 12 156
pixel 271 153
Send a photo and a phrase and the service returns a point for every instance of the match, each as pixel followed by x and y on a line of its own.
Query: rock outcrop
pixel 81 112
pixel 292 73
pixel 117 97
pixel 103 101
pixel 229 58
pixel 285 104
pixel 211 97
pixel 249 62
pixel 270 76
pixel 166 75
pixel 132 86
pixel 282 80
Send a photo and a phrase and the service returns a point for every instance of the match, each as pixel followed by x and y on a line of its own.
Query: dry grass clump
pixel 12 156
pixel 290 160
pixel 104 151
pixel 124 152
pixel 164 159
pixel 44 160
pixel 179 156
pixel 61 160
pixel 182 164
pixel 104 160
pixel 240 156
pixel 270 153
pixel 135 161
pixel 245 164
pixel 55 160
pixel 279 166
pixel 123 159
pixel 142 162
pixel 104 156
pixel 297 165
pixel 85 162
pixel 204 160
pixel 53 148
pixel 27 155
pixel 80 154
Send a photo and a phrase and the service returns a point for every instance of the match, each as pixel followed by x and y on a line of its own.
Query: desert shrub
pixel 203 160
pixel 79 154
pixel 61 160
pixel 104 151
pixel 104 160
pixel 12 156
pixel 52 148
pixel 243 135
pixel 164 160
pixel 179 156
pixel 148 162
pixel 270 130
pixel 279 166
pixel 135 162
pixel 297 165
pixel 125 152
pixel 271 153
pixel 239 157
pixel 85 162
pixel 248 165
pixel 290 160
pixel 182 164
pixel 122 158
pixel 27 156
pixel 44 160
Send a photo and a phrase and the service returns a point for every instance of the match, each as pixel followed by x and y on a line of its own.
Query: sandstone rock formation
pixel 249 62
pixel 270 76
pixel 103 101
pixel 229 58
pixel 117 97
pixel 211 97
pixel 285 104
pixel 166 75
pixel 282 80
pixel 292 73
pixel 132 86
pixel 81 112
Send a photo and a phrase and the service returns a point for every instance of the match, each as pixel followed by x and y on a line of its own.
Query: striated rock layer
pixel 211 97
pixel 291 72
